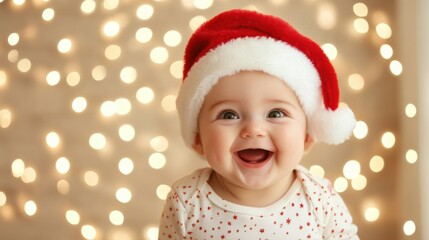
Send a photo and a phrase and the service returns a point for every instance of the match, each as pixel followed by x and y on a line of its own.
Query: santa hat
pixel 240 40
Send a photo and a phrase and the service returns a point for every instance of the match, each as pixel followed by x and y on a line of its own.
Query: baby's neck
pixel 250 197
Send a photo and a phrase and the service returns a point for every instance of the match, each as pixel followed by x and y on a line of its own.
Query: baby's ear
pixel 308 142
pixel 198 146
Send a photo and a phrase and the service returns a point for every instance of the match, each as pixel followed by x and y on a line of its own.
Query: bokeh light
pixel 317 171
pixel 116 217
pixel 65 45
pixel 360 9
pixel 159 55
pixel 411 156
pixel 388 139
pixel 144 35
pixel 53 139
pixel 91 178
pixel 359 182
pixel 145 95
pixel 386 51
pixel 376 164
pixel 351 169
pixel 172 38
pixel 361 130
pixel 79 104
pixel 410 110
pixel 5 118
pixel 24 65
pixel 88 6
pixel 126 166
pixel 113 52
pixel 122 106
pixel 63 187
pixel 196 22
pixel 111 29
pixel 330 50
pixel 145 12
pixel 3 79
pixel 2 199
pixel 176 69
pixel 396 67
pixel 383 30
pixel 108 108
pixel 48 14
pixel 169 103
pixel 73 217
pixel 151 233
pixel 13 56
pixel 327 16
pixel 13 39
pixel 18 167
pixel 53 78
pixel 159 143
pixel 409 228
pixel 29 175
pixel 89 232
pixel 372 214
pixel 162 191
pixel 30 208
pixel 127 132
pixel 356 82
pixel 62 165
pixel 99 72
pixel 73 79
pixel 157 160
pixel 128 74
pixel 123 195
pixel 97 141
pixel 361 25
pixel 203 4
pixel 110 4
pixel 341 184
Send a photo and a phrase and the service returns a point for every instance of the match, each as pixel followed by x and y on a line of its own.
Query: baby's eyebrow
pixel 220 103
pixel 279 101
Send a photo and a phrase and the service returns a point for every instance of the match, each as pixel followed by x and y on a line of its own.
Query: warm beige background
pixel 38 108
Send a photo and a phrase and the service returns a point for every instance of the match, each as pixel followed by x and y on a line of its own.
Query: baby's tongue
pixel 253 155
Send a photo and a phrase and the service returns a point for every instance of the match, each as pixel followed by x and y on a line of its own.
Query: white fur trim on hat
pixel 332 127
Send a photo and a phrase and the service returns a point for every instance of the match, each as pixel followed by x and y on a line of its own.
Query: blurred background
pixel 89 137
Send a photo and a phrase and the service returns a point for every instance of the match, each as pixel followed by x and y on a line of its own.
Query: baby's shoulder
pixel 186 187
pixel 314 184
pixel 310 180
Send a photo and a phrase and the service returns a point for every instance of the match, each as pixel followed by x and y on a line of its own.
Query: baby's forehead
pixel 251 86
pixel 249 79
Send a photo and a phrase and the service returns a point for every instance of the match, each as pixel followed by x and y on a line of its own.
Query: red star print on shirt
pixel 194 211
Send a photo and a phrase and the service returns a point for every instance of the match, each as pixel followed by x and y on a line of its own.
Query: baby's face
pixel 252 130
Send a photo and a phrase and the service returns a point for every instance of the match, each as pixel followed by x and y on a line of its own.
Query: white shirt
pixel 311 209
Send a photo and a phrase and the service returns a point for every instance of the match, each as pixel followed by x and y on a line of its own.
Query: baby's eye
pixel 228 114
pixel 276 114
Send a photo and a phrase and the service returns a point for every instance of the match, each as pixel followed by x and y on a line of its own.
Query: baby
pixel 256 95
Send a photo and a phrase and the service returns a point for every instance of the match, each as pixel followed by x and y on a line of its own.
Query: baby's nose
pixel 252 128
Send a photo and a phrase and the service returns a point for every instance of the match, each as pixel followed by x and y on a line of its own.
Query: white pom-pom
pixel 332 127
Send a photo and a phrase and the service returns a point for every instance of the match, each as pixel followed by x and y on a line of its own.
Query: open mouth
pixel 254 156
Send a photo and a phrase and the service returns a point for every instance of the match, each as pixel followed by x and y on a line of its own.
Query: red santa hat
pixel 240 40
